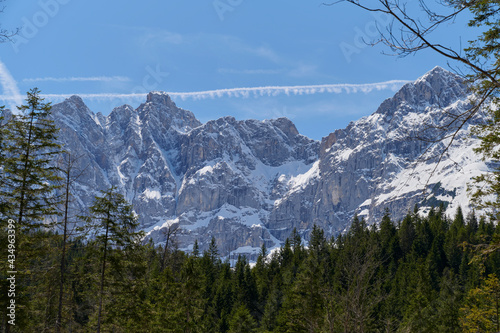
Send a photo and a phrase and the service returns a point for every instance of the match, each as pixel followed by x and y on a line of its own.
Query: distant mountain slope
pixel 249 182
pixel 380 162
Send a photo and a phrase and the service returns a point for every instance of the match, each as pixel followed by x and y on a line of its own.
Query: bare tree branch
pixel 413 33
pixel 6 35
pixel 410 32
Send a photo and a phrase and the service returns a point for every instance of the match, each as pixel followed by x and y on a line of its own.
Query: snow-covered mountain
pixel 249 182
pixel 385 160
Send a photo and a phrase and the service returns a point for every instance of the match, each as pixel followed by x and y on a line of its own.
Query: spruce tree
pixel 242 321
pixel 28 186
pixel 3 134
pixel 30 175
pixel 68 223
pixel 113 223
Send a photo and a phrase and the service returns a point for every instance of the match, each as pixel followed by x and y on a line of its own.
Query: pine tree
pixel 304 304
pixel 30 174
pixel 406 234
pixel 222 302
pixel 113 223
pixel 273 304
pixel 242 321
pixel 67 168
pixel 318 243
pixel 455 236
pixel 169 234
pixel 28 186
pixel 196 248
pixel 212 252
pixel 447 305
pixel 3 134
pixel 245 286
pixel 189 300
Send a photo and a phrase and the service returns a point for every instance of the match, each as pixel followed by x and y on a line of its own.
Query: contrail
pixel 245 92
pixel 291 90
pixel 79 79
pixel 10 89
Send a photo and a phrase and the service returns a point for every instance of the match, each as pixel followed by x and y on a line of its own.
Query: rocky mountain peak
pixel 160 109
pixel 77 101
pixel 121 118
pixel 73 104
pixel 120 113
pixel 161 98
pixel 437 88
pixel 438 74
pixel 248 182
pixel 441 86
pixel 74 112
pixel 286 126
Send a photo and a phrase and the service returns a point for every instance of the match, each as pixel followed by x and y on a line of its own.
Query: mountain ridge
pixel 248 182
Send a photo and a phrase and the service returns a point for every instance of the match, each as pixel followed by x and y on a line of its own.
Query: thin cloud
pixel 291 90
pixel 162 36
pixel 9 86
pixel 250 71
pixel 248 92
pixel 79 79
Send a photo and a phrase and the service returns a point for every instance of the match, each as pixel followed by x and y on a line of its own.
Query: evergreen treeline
pixel 416 276
pixel 431 274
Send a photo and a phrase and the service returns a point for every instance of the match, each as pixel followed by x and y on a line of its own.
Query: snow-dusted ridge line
pixel 249 182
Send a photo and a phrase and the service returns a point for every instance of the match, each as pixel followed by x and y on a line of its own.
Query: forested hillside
pixel 415 275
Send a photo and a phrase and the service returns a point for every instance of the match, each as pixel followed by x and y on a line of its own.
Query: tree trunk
pixel 63 255
pixel 102 276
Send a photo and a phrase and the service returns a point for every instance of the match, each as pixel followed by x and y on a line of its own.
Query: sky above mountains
pixel 249 59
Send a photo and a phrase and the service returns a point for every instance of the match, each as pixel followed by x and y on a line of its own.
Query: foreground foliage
pixel 414 276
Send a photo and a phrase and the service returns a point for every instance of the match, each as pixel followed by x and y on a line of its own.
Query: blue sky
pixel 301 59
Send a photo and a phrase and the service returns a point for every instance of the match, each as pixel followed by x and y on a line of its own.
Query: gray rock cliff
pixel 251 182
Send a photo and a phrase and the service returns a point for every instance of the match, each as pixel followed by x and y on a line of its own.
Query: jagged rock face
pixel 131 149
pixel 251 182
pixel 382 162
pixel 215 179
